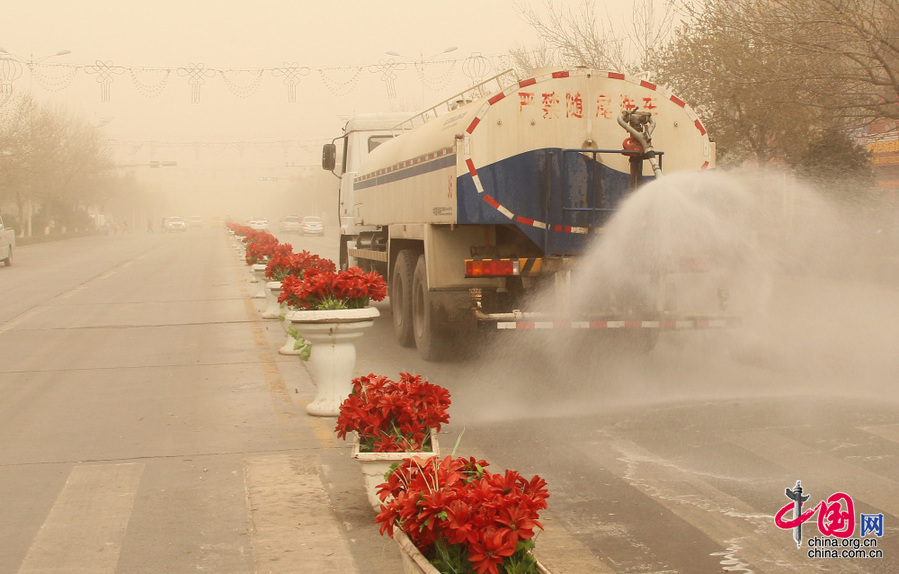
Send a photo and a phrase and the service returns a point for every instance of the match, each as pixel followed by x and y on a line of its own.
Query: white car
pixel 175 223
pixel 312 225
pixel 7 243
pixel 258 223
pixel 290 224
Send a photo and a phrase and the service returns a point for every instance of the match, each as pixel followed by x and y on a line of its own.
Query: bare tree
pixel 526 59
pixel 581 37
pixel 773 76
pixel 49 161
pixel 15 122
pixel 846 52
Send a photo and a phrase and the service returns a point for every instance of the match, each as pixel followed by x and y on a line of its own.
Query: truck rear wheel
pixel 401 298
pixel 431 345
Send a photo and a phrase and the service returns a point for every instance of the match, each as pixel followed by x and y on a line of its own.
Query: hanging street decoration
pixel 10 71
pixel 291 72
pixel 151 82
pixel 196 74
pixel 435 75
pixel 105 71
pixel 150 90
pixel 388 70
pixel 342 80
pixel 476 68
pixel 243 89
pixel 53 77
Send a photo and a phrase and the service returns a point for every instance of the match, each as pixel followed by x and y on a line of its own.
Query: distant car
pixel 290 224
pixel 196 221
pixel 215 221
pixel 312 225
pixel 258 223
pixel 175 223
pixel 7 243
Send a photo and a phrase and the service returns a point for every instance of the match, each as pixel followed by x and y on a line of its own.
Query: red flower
pixel 456 502
pixel 279 261
pixel 489 552
pixel 322 287
pixel 393 416
pixel 261 245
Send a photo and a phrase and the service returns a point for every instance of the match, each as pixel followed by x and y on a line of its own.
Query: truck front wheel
pixel 401 298
pixel 431 345
pixel 8 260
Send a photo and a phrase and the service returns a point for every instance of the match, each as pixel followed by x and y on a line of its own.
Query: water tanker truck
pixel 472 206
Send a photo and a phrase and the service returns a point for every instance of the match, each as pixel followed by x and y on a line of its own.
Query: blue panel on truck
pixel 558 209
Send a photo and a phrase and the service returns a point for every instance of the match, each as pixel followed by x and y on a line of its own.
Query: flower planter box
pixel 376 464
pixel 414 562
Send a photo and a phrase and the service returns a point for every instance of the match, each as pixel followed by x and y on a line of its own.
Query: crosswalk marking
pixel 292 526
pixel 861 484
pixel 887 431
pixel 728 520
pixel 84 530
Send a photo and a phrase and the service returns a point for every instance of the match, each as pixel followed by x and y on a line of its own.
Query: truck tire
pixel 431 345
pixel 401 297
pixel 8 260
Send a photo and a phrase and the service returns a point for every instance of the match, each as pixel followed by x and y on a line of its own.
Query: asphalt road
pixel 149 425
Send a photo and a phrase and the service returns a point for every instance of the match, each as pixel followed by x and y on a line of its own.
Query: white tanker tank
pixel 492 194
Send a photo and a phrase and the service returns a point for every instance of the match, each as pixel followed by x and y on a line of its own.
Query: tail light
pixel 491 267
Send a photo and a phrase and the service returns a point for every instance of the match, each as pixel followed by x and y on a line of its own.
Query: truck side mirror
pixel 329 156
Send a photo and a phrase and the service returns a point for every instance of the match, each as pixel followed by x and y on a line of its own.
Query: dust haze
pixel 813 280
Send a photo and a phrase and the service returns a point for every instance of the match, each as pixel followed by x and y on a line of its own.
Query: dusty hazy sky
pixel 150 50
pixel 137 37
pixel 149 40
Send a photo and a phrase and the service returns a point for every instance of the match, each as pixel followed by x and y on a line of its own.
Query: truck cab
pixel 361 134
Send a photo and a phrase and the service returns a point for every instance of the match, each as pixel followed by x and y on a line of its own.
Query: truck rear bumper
pixel 666 325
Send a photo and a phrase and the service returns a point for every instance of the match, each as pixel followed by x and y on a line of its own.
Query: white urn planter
pixel 259 276
pixel 290 346
pixel 332 335
pixel 272 307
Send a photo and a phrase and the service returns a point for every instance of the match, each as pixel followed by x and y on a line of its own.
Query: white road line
pixel 292 526
pixel 887 431
pixel 729 521
pixel 809 465
pixel 18 320
pixel 85 527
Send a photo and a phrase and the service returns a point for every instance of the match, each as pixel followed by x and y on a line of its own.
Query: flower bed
pixel 321 290
pixel 464 518
pixel 393 416
pixel 260 246
pixel 285 263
